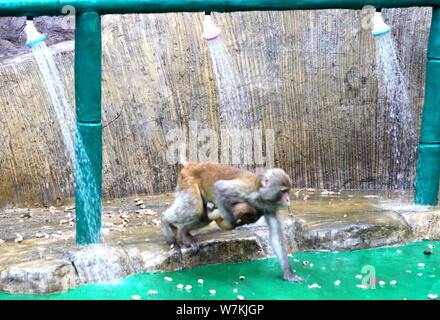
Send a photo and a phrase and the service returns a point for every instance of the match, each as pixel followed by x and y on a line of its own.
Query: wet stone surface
pixel 38 253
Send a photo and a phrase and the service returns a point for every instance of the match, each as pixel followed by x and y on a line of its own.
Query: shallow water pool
pixel 416 275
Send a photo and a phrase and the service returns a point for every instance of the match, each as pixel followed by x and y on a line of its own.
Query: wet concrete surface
pixel 38 253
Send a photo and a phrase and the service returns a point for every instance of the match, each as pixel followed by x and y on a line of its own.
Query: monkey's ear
pixel 264 181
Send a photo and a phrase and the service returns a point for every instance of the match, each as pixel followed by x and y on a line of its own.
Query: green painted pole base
pixel 428 174
pixel 88 191
pixel 428 163
pixel 88 182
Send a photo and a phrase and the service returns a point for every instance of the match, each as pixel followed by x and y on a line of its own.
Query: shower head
pixel 210 30
pixel 379 25
pixel 33 36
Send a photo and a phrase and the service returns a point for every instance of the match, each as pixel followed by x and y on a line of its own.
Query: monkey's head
pixel 275 188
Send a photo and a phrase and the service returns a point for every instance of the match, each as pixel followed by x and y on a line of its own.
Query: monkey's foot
pixel 292 277
pixel 190 241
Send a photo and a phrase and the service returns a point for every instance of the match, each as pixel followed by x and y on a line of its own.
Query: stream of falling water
pixel 234 111
pixel 94 262
pixel 393 88
pixel 60 103
pixel 236 118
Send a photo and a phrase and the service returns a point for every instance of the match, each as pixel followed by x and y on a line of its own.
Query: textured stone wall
pixel 308 75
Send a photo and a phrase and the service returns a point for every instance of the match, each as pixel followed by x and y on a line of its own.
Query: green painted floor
pixel 262 280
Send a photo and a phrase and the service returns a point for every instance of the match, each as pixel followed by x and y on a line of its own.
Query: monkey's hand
pixel 289 276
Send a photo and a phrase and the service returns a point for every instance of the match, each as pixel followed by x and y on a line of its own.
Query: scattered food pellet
pixel 399 251
pixel 323 268
pixel 362 286
pixel 433 296
pixel 295 260
pixel 311 264
pixel 235 290
pixel 212 291
pixel 240 298
pixel 168 279
pixel 188 287
pixel 337 282
pixel 180 286
pixel 358 276
pixel 382 283
pixel 136 297
pixel 242 278
pixel 315 285
pixel 421 265
pixel 200 281
pixel 419 274
pixel 408 271
pixel 19 238
pixel 152 292
pixel 393 282
pixel 427 252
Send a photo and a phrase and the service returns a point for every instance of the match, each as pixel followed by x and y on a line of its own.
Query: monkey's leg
pixel 169 231
pixel 182 211
pixel 187 238
pixel 190 214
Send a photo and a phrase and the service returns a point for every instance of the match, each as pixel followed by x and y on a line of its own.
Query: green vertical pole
pixel 428 164
pixel 88 173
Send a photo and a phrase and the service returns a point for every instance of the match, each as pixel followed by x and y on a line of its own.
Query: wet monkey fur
pixel 231 197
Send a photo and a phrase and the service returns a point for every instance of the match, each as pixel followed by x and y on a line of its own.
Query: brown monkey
pixel 241 197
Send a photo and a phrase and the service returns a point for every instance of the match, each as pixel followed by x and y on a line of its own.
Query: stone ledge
pixel 41 266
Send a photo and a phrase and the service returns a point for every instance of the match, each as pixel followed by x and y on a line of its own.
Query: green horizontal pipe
pixel 428 174
pixel 33 8
pixel 88 171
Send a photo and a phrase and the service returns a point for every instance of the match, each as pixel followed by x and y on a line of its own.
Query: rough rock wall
pixel 308 75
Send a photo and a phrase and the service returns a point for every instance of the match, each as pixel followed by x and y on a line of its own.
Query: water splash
pixel 60 103
pixel 402 133
pixel 99 263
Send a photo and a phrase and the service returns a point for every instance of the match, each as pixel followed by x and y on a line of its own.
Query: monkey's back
pixel 204 175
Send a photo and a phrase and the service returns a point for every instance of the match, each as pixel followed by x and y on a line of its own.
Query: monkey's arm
pixel 278 245
pixel 227 194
